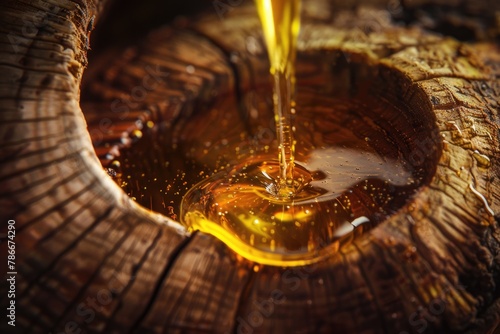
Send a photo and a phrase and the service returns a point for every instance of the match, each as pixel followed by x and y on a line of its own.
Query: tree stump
pixel 90 259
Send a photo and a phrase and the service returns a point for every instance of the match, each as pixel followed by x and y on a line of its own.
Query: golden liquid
pixel 252 194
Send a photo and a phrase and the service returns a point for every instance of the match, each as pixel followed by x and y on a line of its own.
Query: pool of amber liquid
pixel 352 167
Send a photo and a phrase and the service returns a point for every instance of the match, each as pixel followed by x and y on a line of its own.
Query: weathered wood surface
pixel 89 258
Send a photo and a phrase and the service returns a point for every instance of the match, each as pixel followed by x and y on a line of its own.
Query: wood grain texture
pixel 89 258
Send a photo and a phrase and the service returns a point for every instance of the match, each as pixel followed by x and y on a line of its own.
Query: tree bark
pixel 89 258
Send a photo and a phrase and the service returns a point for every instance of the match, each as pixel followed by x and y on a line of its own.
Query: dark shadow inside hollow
pixel 126 21
pixel 343 101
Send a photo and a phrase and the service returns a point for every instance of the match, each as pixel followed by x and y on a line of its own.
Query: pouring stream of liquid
pixel 286 212
pixel 281 23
